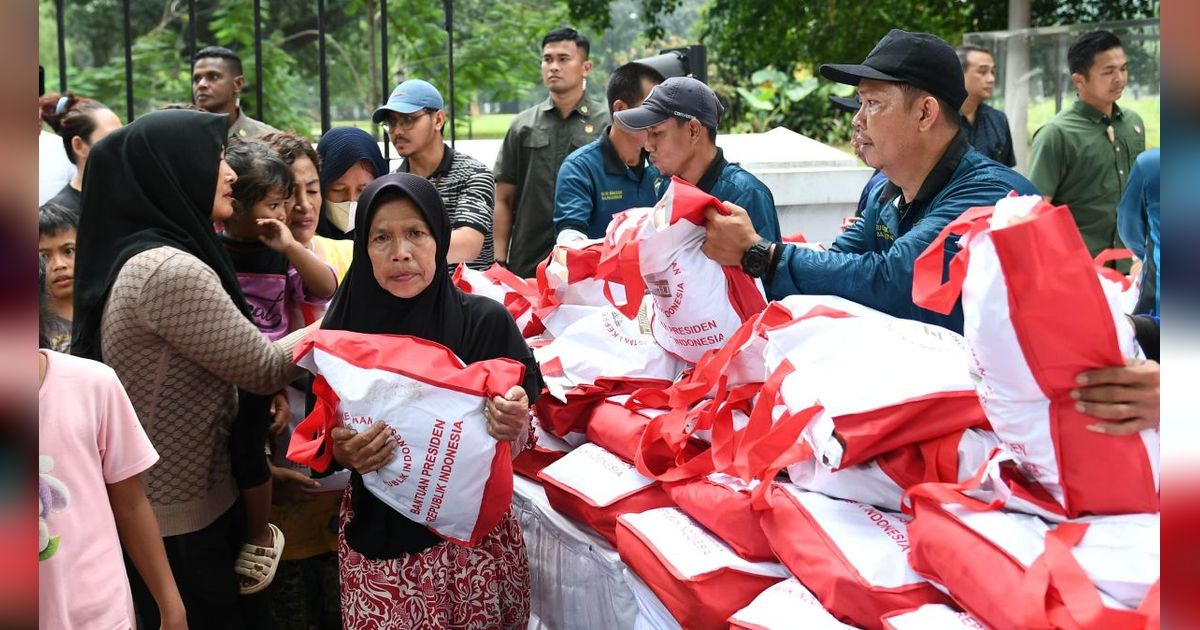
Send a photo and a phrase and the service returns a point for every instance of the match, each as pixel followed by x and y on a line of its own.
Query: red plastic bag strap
pixel 510 280
pixel 1082 606
pixel 312 444
pixel 1110 255
pixel 953 493
pixel 928 290
pixel 659 454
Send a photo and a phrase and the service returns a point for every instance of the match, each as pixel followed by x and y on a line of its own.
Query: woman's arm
pixel 141 539
pixel 183 302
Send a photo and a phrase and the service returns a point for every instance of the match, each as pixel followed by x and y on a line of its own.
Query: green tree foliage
pixel 496 51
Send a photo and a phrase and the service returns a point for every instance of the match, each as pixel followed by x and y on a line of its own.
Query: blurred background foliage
pixel 763 54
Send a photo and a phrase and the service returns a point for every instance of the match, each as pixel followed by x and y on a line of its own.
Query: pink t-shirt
pixel 88 437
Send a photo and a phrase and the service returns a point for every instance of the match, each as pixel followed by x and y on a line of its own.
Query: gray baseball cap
pixel 681 97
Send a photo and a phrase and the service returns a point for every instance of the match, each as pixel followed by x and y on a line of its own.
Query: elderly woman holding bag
pixel 396 573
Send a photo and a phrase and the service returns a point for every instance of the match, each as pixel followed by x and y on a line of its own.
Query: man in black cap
pixel 850 105
pixel 680 116
pixel 911 88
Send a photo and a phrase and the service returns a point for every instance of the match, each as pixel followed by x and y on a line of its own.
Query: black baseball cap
pixel 847 104
pixel 682 97
pixel 919 59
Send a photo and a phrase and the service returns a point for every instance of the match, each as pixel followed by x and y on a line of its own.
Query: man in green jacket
pixel 1082 157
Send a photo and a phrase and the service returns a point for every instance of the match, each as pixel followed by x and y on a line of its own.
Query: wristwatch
pixel 756 260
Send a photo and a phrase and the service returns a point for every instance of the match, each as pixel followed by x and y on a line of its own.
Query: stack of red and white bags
pixel 814 461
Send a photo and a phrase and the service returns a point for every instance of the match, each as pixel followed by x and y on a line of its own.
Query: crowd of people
pixel 185 254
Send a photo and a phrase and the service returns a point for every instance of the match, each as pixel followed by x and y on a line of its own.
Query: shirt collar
pixel 938 177
pixel 1094 115
pixel 443 167
pixel 584 107
pixel 613 164
pixel 710 177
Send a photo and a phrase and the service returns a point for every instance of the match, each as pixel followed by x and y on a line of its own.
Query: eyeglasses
pixel 404 121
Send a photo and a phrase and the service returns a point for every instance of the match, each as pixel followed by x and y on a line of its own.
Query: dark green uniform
pixel 1078 162
pixel 537 142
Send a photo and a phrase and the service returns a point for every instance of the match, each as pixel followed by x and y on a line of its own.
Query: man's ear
pixel 439 119
pixel 619 105
pixel 1078 78
pixel 239 82
pixel 696 131
pixel 587 67
pixel 930 111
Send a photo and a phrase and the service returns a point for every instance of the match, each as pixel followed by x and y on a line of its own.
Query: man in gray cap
pixel 415 117
pixel 911 88
pixel 680 116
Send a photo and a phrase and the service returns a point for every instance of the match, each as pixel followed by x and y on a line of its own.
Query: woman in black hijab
pixel 396 573
pixel 350 160
pixel 156 298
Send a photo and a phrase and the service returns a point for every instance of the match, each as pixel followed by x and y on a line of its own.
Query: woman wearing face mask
pixel 351 159
pixel 157 299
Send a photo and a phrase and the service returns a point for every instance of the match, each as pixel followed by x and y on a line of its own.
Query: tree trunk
pixel 1016 79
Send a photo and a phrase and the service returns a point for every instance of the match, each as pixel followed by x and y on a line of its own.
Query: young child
pixel 56 246
pixel 91 449
pixel 277 275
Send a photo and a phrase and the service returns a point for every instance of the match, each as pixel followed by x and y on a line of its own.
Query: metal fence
pixel 323 72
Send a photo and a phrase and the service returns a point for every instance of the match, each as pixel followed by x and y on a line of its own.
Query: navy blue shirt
pixel 729 182
pixel 872 262
pixel 876 179
pixel 594 183
pixel 990 134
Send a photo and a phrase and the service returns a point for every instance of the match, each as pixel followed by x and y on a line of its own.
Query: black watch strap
pixel 756 261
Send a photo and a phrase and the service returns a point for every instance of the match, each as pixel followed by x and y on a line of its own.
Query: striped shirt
pixel 468 191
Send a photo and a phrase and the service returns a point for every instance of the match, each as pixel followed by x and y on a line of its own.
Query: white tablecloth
pixel 577 580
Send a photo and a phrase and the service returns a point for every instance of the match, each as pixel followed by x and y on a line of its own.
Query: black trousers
pixel 202 563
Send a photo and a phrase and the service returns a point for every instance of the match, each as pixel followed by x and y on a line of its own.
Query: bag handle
pixel 928 290
pixel 953 493
pixel 659 454
pixel 508 279
pixel 312 443
pixel 1108 256
pixel 1082 606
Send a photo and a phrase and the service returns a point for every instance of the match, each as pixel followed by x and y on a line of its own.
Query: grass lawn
pixel 480 128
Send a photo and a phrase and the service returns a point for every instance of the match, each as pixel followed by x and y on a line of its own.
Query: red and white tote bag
pixel 516 294
pixel 546 450
pixel 606 344
pixel 1033 324
pixel 595 487
pixel 852 556
pixel 884 382
pixel 723 505
pixel 785 606
pixel 698 304
pixel 881 482
pixel 696 576
pixel 617 428
pixel 1016 570
pixel 447 473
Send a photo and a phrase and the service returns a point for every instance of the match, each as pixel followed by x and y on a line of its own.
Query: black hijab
pixel 148 184
pixel 341 148
pixel 475 328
